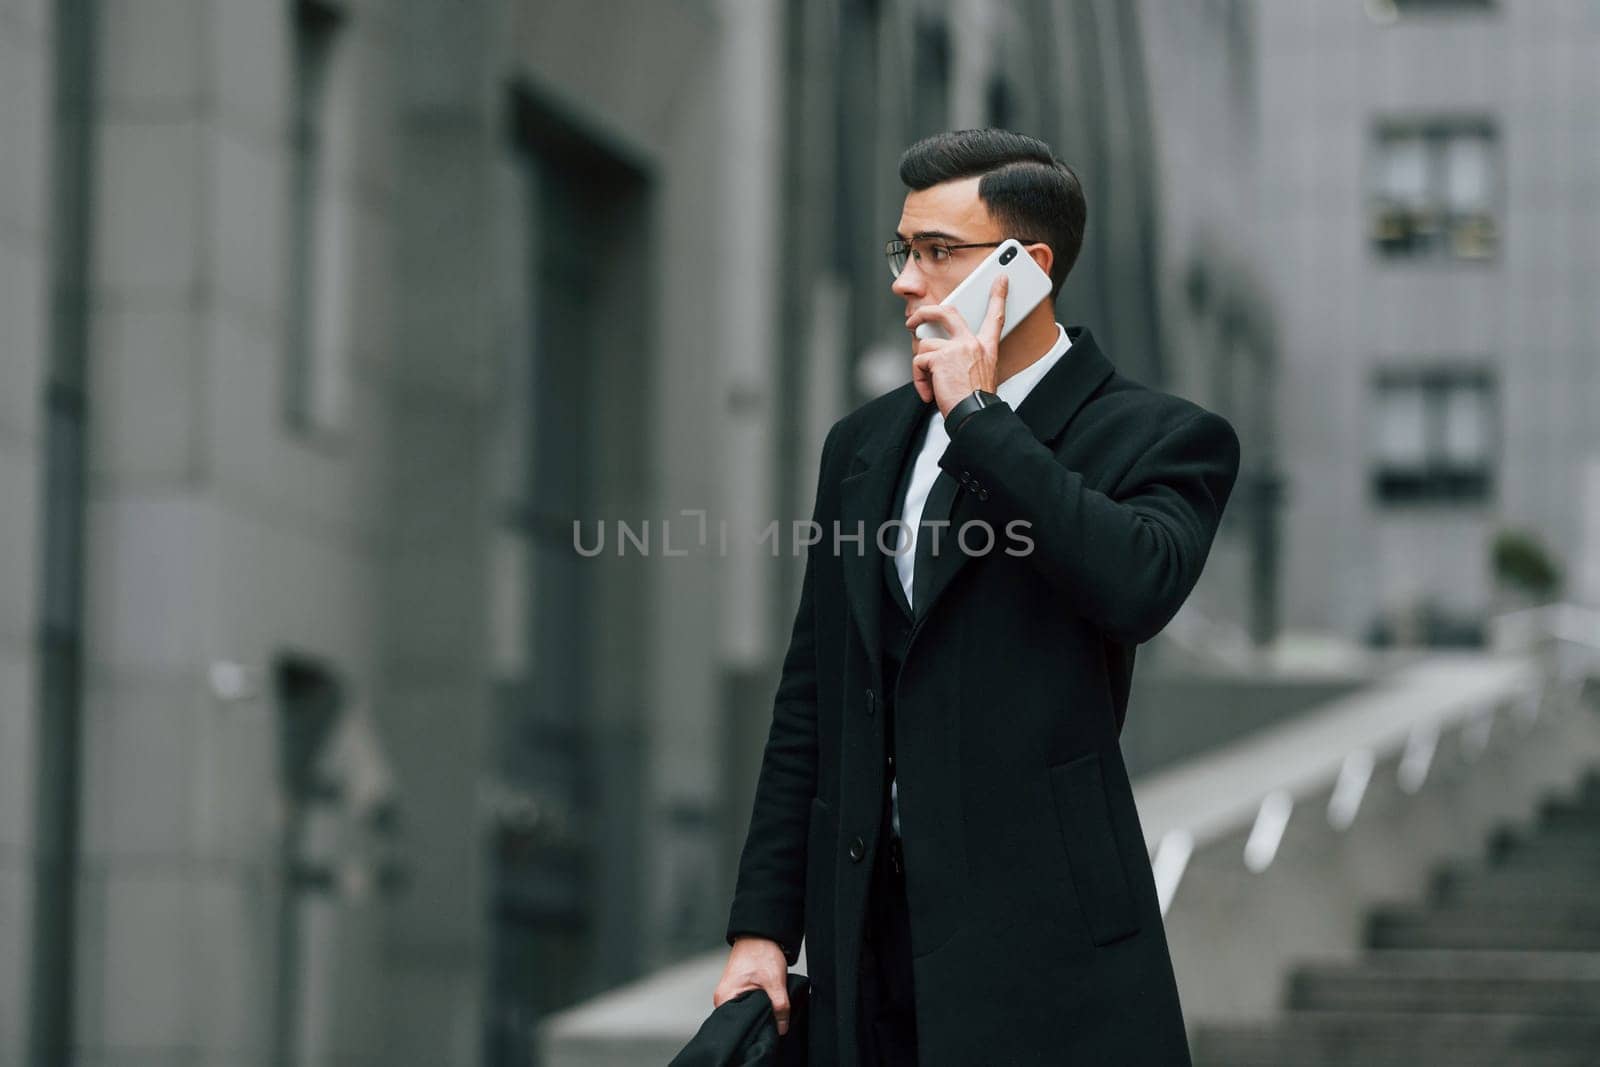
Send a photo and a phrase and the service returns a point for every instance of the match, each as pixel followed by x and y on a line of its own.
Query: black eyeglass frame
pixel 895 245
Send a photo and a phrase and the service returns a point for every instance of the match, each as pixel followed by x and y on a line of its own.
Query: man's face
pixel 952 213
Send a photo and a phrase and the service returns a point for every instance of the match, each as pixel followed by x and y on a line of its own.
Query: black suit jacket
pixel 1035 929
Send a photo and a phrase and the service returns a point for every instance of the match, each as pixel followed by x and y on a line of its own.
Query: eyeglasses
pixel 932 256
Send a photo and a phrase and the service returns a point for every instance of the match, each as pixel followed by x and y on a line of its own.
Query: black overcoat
pixel 1035 929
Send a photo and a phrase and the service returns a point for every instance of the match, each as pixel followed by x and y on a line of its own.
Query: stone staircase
pixel 1500 966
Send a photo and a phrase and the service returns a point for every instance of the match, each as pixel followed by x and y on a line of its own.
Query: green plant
pixel 1521 561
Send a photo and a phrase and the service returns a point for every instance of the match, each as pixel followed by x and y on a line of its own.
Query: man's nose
pixel 908 282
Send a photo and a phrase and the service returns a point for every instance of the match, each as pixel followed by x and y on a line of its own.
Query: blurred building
pixel 1220 345
pixel 325 320
pixel 1434 233
pixel 25 69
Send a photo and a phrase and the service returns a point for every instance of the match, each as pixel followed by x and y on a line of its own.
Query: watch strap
pixel 967 406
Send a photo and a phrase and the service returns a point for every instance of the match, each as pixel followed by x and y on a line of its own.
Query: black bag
pixel 744 1033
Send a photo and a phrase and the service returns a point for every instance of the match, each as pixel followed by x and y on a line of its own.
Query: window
pixel 931 74
pixel 1388 12
pixel 315 382
pixel 1407 7
pixel 1433 437
pixel 1433 188
pixel 1001 105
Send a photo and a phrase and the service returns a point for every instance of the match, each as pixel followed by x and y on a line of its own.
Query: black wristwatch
pixel 973 402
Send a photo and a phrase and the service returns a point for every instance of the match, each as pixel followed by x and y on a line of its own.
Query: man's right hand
pixel 756 963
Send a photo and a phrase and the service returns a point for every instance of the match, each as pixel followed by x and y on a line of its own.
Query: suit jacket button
pixel 983 494
pixel 858 848
pixel 966 476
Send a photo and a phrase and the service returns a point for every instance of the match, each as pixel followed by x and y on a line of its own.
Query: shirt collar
pixel 1016 388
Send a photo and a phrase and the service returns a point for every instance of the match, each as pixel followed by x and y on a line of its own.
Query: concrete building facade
pixel 27 71
pixel 1433 233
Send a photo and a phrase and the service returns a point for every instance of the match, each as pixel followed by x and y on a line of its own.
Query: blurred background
pixel 323 321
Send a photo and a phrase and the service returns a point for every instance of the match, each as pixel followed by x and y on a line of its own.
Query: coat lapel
pixel 865 499
pixel 866 494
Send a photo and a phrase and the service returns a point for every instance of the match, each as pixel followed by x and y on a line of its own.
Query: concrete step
pixel 1566 926
pixel 1560 858
pixel 1532 892
pixel 1564 814
pixel 1424 981
pixel 1529 882
pixel 1556 849
pixel 1557 830
pixel 1325 1039
pixel 1554 827
pixel 1501 967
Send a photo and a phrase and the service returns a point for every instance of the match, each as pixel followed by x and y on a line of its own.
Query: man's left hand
pixel 945 370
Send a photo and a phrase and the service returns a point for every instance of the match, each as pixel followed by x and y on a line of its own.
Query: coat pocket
pixel 1083 813
pixel 822 845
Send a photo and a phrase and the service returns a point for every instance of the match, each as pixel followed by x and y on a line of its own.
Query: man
pixel 942 811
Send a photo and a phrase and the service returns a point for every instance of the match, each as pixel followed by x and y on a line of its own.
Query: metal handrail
pixel 1520 677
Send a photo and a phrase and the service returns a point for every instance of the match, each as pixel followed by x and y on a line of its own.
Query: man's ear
pixel 1043 255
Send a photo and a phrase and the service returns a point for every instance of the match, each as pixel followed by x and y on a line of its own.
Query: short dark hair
pixel 1025 187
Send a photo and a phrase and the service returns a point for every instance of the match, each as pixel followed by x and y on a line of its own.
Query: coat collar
pixel 867 492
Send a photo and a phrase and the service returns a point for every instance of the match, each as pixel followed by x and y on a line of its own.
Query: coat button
pixel 872 703
pixel 983 494
pixel 858 848
pixel 966 476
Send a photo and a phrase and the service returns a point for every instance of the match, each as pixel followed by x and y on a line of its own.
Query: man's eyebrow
pixel 923 235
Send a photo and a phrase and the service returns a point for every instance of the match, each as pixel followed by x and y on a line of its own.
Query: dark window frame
pixel 932 64
pixel 317 31
pixel 1000 101
pixel 1436 479
pixel 1434 233
pixel 1445 7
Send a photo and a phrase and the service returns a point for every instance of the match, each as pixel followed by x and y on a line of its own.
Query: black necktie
pixel 940 498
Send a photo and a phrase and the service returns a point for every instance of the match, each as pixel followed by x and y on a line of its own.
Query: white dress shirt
pixel 1013 390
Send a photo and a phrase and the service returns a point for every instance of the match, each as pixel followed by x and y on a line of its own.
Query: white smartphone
pixel 1028 286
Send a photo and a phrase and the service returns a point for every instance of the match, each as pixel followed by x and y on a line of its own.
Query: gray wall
pixel 26 73
pixel 216 533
